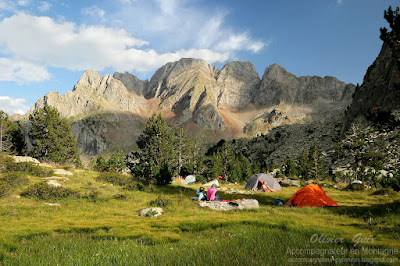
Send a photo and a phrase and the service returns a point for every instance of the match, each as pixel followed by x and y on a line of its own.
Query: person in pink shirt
pixel 211 192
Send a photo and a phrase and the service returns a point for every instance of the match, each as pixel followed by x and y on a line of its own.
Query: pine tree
pixel 392 37
pixel 289 168
pixel 11 138
pixel 5 136
pixel 51 137
pixel 315 167
pixel 101 164
pixel 247 170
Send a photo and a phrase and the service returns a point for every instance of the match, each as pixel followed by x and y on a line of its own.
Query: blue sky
pixel 46 45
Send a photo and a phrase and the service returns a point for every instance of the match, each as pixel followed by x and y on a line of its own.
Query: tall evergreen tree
pixel 5 136
pixel 392 37
pixel 11 138
pixel 51 136
pixel 159 145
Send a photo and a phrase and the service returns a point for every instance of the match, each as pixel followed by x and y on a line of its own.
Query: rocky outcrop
pixel 238 81
pixel 279 86
pixel 232 205
pixel 93 94
pixel 132 83
pixel 378 98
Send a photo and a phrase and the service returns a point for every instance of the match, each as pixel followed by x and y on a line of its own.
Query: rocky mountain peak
pixel 89 80
pixel 244 71
pixel 132 83
pixel 378 98
pixel 276 72
pixel 172 70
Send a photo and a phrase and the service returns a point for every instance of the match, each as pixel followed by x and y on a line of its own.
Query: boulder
pixel 53 183
pixel 150 212
pixel 62 172
pixel 23 159
pixel 209 184
pixel 227 206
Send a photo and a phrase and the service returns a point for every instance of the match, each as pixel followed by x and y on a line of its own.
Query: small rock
pixel 53 183
pixel 52 204
pixel 150 212
pixel 62 172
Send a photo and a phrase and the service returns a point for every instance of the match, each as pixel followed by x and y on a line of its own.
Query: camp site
pixel 176 132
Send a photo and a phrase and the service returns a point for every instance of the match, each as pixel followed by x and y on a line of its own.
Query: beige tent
pixel 255 182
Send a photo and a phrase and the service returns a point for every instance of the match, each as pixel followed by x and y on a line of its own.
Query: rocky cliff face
pixel 378 98
pixel 279 86
pixel 93 94
pixel 231 102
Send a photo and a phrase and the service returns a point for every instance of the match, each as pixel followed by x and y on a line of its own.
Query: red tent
pixel 312 195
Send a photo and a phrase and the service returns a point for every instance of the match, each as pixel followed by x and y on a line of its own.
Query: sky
pixel 46 45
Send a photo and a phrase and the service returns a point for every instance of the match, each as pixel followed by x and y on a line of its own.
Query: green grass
pixel 102 230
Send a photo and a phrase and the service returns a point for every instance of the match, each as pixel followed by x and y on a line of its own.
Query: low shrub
pixel 93 195
pixel 135 186
pixel 14 179
pixel 160 201
pixel 356 187
pixel 44 191
pixel 201 179
pixel 384 192
pixel 391 182
pixel 4 189
pixel 114 178
pixel 120 197
pixel 30 168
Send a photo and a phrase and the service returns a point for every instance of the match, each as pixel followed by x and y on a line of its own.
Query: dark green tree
pixel 11 138
pixel 316 169
pixel 5 134
pixel 392 37
pixel 290 169
pixel 247 170
pixel 116 163
pixel 303 166
pixel 159 145
pixel 51 136
pixel 164 176
pixel 101 164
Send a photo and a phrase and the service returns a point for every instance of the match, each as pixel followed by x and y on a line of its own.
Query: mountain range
pixel 110 111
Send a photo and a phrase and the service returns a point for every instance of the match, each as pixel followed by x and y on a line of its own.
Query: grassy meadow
pixel 102 227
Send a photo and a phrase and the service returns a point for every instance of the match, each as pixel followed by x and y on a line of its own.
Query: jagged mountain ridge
pixel 192 93
pixel 378 98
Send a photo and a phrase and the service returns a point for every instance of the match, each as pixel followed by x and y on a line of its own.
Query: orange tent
pixel 312 195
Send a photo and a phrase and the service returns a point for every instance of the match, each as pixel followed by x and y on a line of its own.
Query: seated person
pixel 201 194
pixel 266 188
pixel 211 192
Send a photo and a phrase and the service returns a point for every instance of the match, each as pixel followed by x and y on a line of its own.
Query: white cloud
pixel 44 6
pixel 6 4
pixel 13 105
pixel 23 2
pixel 93 11
pixel 168 6
pixel 21 71
pixel 179 23
pixel 128 2
pixel 66 45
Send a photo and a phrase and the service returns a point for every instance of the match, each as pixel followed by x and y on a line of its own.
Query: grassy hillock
pixel 97 223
